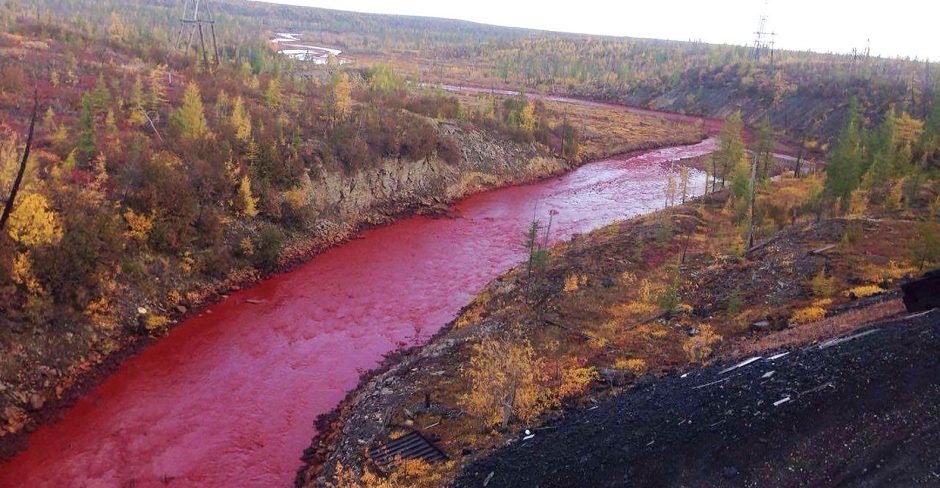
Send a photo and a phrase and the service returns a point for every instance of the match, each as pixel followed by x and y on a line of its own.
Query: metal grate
pixel 410 446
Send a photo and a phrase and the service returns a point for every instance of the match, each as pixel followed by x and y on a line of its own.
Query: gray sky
pixel 895 27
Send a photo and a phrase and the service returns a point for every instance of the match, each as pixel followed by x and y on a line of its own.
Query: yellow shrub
pixel 14 419
pixel 574 281
pixel 33 223
pixel 408 473
pixel 627 278
pixel 822 285
pixel 858 203
pixel 577 381
pixel 633 310
pixel 637 365
pixel 101 313
pixel 807 315
pixel 598 343
pixel 139 226
pixel 397 434
pixel 646 291
pixel 296 198
pixel 505 381
pixel 657 333
pixel 701 347
pixel 187 262
pixel 865 291
pixel 153 322
pixel 247 247
pixel 822 302
pixel 889 272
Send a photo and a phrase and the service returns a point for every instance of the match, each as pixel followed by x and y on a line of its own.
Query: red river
pixel 228 398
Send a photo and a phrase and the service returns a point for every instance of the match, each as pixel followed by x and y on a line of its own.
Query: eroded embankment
pixel 45 374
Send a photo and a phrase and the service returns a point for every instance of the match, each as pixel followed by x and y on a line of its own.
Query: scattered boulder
pixel 762 326
pixel 923 294
pixel 617 377
pixel 36 401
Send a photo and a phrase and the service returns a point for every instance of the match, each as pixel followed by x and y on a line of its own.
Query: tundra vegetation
pixel 156 183
pixel 153 178
pixel 680 288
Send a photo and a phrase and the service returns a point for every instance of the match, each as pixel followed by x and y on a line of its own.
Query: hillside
pixel 803 95
pixel 155 186
pixel 613 311
pixel 832 415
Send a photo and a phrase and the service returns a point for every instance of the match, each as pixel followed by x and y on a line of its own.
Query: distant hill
pixel 803 94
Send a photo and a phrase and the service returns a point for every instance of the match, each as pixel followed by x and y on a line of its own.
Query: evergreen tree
pixel 731 145
pixel 245 202
pixel 157 94
pixel 384 80
pixel 48 121
pixel 765 149
pixel 882 154
pixel 340 97
pixel 110 123
pixel 241 120
pixel 190 118
pixel 88 136
pixel 537 255
pixel 100 98
pixel 684 182
pixel 741 178
pixel 843 172
pixel 137 104
pixel 116 29
pixel 930 137
pixel 272 95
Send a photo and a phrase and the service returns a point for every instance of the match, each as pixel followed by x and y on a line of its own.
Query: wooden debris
pixel 823 249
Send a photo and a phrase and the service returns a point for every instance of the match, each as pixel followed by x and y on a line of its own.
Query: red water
pixel 228 398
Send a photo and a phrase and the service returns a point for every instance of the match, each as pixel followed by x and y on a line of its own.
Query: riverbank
pixel 201 342
pixel 47 402
pixel 44 375
pixel 614 310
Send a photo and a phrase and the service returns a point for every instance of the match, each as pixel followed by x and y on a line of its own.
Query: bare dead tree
pixel 152 125
pixel 750 227
pixel 8 207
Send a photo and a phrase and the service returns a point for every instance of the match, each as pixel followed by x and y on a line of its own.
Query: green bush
pixel 268 246
pixel 735 302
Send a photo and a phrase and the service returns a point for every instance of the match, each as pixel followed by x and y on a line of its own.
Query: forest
pixel 804 95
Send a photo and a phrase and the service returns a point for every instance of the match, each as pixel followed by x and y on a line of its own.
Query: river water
pixel 228 398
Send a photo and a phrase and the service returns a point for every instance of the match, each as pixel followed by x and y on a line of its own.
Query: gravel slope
pixel 861 412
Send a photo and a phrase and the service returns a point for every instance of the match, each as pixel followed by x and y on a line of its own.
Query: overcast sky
pixel 895 27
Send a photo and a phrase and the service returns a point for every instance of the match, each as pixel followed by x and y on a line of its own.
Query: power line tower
pixel 197 13
pixel 763 40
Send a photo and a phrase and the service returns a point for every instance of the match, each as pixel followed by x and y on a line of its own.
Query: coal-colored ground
pixel 863 412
